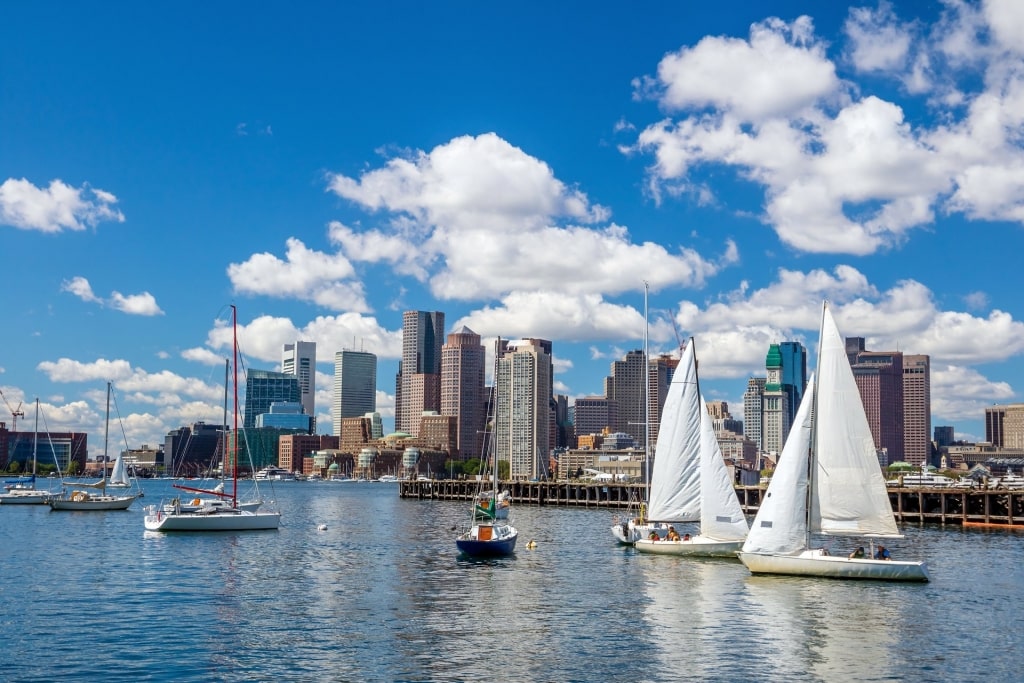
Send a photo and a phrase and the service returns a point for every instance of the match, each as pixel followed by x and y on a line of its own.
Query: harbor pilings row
pixel 984 507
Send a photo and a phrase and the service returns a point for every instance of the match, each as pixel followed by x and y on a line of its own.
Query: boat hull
pixel 91 503
pixel 628 533
pixel 220 520
pixel 815 563
pixel 25 498
pixel 698 546
pixel 485 540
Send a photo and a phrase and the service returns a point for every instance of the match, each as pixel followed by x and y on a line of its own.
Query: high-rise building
pixel 627 386
pixel 523 412
pixel 299 359
pixel 1004 425
pixel 595 415
pixel 418 383
pixel 775 419
pixel 917 409
pixel 355 386
pixel 879 376
pixel 263 387
pixel 944 436
pixel 463 359
pixel 794 375
pixel 753 410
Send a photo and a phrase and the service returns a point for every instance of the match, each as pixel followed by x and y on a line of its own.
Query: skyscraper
pixel 299 359
pixel 355 386
pixel 794 375
pixel 523 413
pixel 917 408
pixel 753 410
pixel 659 377
pixel 263 387
pixel 879 376
pixel 463 358
pixel 775 419
pixel 627 386
pixel 418 383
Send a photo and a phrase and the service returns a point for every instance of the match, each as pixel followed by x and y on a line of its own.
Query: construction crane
pixel 15 412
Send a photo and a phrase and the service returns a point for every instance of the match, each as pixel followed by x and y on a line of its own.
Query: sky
pixel 527 168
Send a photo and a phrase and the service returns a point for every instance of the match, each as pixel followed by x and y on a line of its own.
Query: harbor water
pixel 381 594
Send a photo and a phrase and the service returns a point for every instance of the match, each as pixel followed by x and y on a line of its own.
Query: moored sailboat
pixel 828 481
pixel 81 498
pixel 25 492
pixel 223 512
pixel 691 482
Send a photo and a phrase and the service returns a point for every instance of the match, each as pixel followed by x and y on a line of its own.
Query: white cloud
pixel 134 304
pixel 306 275
pixel 844 172
pixel 54 208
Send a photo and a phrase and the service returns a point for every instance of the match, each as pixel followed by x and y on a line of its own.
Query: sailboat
pixel 636 525
pixel 79 500
pixel 828 481
pixel 487 535
pixel 215 515
pixel 691 482
pixel 25 492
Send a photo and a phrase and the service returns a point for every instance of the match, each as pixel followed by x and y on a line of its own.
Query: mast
pixel 234 460
pixel 812 455
pixel 106 438
pixel 35 444
pixel 224 423
pixel 647 400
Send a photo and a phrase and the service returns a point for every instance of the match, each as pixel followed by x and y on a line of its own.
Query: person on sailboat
pixel 883 553
pixel 673 535
pixel 859 552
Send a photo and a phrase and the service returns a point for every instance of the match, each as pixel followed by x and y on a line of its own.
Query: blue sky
pixel 523 168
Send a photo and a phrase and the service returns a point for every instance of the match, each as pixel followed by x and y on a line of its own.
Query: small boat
pixel 487 536
pixel 827 481
pixel 274 473
pixel 24 491
pixel 79 500
pixel 690 481
pixel 223 512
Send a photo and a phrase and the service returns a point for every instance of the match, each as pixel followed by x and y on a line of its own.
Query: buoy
pixel 322 527
pixel 531 545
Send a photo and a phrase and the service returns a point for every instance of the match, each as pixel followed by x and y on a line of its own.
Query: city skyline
pixel 326 169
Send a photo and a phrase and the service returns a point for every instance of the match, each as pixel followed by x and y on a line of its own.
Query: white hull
pixel 698 546
pixel 221 520
pixel 91 502
pixel 628 533
pixel 816 563
pixel 25 497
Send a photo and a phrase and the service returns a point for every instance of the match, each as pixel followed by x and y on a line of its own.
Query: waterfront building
pixel 595 414
pixel 355 386
pixel 299 359
pixel 1004 425
pixel 418 382
pixel 62 448
pixel 294 449
pixel 879 376
pixel 775 420
pixel 917 409
pixel 193 451
pixel 627 386
pixel 286 415
pixel 523 411
pixel 463 394
pixel 753 410
pixel 263 387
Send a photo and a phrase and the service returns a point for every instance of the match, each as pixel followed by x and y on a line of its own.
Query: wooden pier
pixel 997 508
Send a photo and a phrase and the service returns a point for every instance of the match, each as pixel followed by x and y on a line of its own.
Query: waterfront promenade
pixel 990 507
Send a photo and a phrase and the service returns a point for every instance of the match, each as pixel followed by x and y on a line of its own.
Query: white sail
pixel 119 474
pixel 721 515
pixel 781 522
pixel 850 495
pixel 675 479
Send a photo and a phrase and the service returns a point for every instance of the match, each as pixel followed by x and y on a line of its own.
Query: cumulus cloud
pixel 843 171
pixel 55 208
pixel 133 304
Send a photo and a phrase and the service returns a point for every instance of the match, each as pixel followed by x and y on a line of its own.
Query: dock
pixel 985 508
